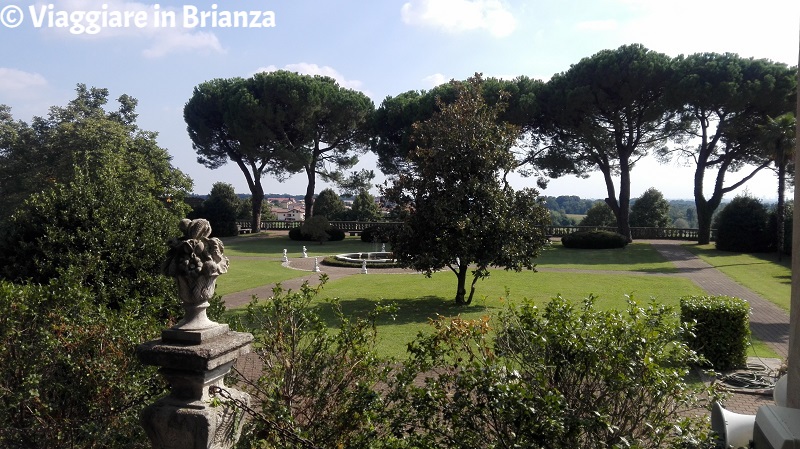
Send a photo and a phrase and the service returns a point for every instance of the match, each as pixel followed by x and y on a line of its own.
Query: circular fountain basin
pixel 372 258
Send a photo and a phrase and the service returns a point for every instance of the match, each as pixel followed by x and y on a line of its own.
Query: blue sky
pixel 381 47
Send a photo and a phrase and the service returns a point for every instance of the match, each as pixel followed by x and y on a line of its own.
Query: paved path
pixel 768 322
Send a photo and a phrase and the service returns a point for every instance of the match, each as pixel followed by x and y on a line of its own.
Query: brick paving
pixel 768 322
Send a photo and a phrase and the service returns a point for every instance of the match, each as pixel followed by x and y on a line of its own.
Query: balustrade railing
pixel 556 231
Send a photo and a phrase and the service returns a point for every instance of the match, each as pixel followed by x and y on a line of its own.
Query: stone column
pixel 195 354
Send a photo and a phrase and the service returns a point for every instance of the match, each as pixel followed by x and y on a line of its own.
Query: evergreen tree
pixel 365 208
pixel 599 215
pixel 329 205
pixel 650 210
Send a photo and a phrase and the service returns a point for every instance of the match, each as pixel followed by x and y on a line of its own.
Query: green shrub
pixel 721 329
pixel 556 377
pixel 742 226
pixel 68 372
pixel 334 235
pixel 375 234
pixel 320 384
pixel 599 215
pixel 787 223
pixel 594 239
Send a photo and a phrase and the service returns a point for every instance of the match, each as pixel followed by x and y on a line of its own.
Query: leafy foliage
pixel 726 101
pixel 462 211
pixel 364 208
pixel 599 215
pixel 67 370
pixel 743 226
pixel 558 377
pixel 720 329
pixel 82 137
pixel 331 233
pixel 280 123
pixel 608 111
pixel 568 204
pixel 320 385
pixel 560 219
pixel 329 205
pixel 376 234
pixel 221 209
pixel 650 210
pixel 109 236
pixel 594 239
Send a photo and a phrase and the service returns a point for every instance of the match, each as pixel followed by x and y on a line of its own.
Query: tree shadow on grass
pixel 409 311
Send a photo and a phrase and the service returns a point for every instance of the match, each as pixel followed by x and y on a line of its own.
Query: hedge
pixel 721 329
pixel 594 239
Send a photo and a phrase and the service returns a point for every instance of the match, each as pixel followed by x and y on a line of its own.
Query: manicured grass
pixel 256 258
pixel 272 245
pixel 418 298
pixel 635 257
pixel 760 272
pixel 257 262
pixel 252 272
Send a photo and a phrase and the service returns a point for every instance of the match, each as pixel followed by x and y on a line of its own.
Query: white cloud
pixel 177 42
pixel 766 29
pixel 434 80
pixel 314 69
pixel 15 81
pixel 456 16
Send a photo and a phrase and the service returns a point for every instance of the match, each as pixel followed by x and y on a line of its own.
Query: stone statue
pixel 305 252
pixel 195 260
pixel 285 257
pixel 196 354
pixel 316 265
pixel 364 267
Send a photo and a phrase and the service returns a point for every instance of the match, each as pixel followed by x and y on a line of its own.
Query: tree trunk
pixel 704 212
pixel 623 219
pixel 312 181
pixel 256 202
pixel 461 291
pixel 703 221
pixel 621 207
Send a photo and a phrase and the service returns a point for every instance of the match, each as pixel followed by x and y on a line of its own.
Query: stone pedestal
pixel 195 354
pixel 188 418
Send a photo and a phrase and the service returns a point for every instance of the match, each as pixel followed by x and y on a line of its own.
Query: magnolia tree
pixel 463 214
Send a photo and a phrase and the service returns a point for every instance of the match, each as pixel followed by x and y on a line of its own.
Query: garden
pixel 612 276
pixel 584 313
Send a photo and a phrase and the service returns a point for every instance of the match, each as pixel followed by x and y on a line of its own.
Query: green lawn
pixel 272 245
pixel 760 272
pixel 419 298
pixel 252 272
pixel 256 261
pixel 635 257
